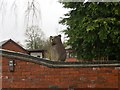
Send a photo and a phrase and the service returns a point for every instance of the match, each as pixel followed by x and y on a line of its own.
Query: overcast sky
pixel 12 23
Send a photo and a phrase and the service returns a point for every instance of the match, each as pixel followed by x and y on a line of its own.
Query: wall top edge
pixel 49 63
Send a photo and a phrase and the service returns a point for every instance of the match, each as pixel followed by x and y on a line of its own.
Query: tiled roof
pixel 71 60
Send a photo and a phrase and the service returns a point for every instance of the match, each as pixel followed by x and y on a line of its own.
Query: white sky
pixel 12 23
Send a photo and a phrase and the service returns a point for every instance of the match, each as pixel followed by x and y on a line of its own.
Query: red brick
pixel 30 75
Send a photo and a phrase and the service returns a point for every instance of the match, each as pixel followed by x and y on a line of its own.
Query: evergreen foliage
pixel 93 29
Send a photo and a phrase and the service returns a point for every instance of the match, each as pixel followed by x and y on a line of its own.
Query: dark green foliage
pixel 93 29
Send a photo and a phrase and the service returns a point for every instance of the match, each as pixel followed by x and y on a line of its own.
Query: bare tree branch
pixel 32 13
pixel 34 38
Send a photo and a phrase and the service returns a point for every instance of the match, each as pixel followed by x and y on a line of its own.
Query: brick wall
pixel 31 75
pixel 13 46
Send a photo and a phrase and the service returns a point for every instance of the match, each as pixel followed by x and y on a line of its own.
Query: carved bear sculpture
pixel 58 52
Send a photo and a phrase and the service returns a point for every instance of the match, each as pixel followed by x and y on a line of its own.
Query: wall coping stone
pixel 56 64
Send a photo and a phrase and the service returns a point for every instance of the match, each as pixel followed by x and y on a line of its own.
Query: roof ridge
pixel 4 41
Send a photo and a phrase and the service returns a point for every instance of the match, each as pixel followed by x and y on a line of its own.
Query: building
pixel 69 52
pixel 37 53
pixel 70 57
pixel 12 46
